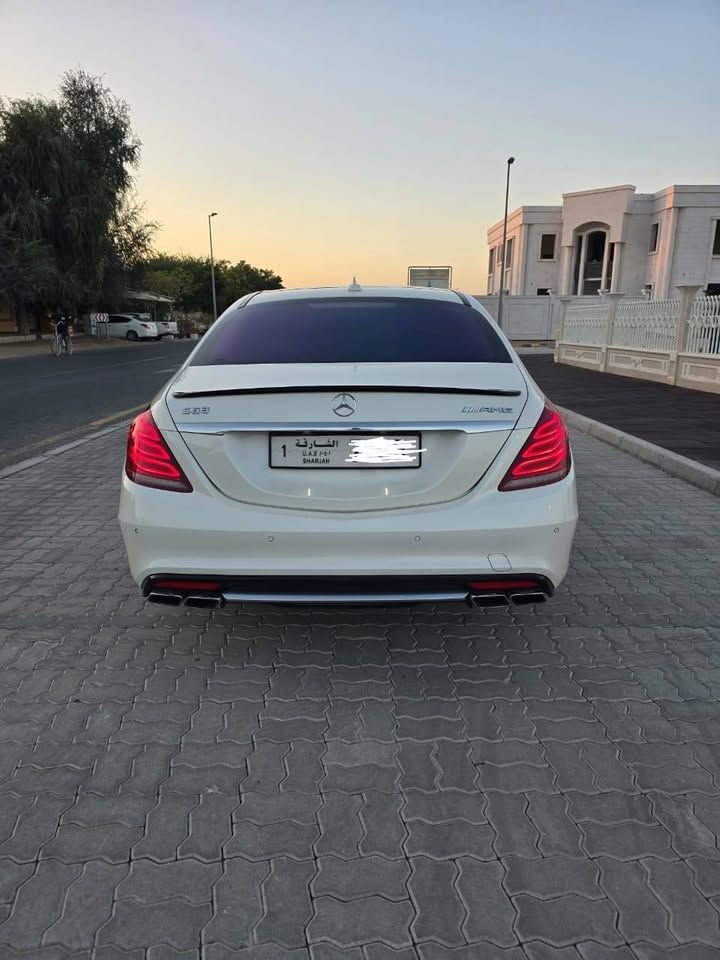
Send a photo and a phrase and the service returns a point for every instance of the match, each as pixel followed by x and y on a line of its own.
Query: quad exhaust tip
pixel 506 599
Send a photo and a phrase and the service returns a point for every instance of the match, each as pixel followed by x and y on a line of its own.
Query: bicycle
pixel 60 343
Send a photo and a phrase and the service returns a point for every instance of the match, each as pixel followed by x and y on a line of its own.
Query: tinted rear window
pixel 353 331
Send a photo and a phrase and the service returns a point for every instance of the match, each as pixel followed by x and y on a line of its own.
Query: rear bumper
pixel 480 535
pixel 217 591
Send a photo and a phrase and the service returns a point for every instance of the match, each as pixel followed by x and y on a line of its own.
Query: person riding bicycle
pixel 62 327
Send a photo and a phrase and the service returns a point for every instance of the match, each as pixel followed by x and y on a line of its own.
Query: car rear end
pixel 166 328
pixel 319 446
pixel 147 329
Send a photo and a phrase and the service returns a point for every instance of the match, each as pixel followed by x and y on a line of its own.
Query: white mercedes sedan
pixel 355 445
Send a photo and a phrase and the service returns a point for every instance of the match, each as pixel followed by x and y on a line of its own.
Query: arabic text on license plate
pixel 345 450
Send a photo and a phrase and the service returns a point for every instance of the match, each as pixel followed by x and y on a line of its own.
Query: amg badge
pixel 487 410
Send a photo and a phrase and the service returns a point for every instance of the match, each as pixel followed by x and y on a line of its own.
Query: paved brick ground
pixel 375 784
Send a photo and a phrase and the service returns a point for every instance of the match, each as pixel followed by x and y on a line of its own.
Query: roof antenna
pixel 354 286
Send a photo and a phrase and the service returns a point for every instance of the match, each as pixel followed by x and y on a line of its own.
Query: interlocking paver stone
pixel 454 838
pixel 357 879
pixel 340 826
pixel 551 877
pixel 134 924
pixel 691 916
pixel 440 806
pixel 490 915
pixel 627 841
pixel 38 905
pixel 688 834
pixel 320 783
pixel 166 827
pixel 87 906
pixel 385 831
pixel 641 916
pixel 75 844
pixel 439 910
pixel 566 920
pixel 286 895
pixel 345 924
pixel 514 832
pixel 611 807
pixel 284 839
pixel 149 882
pixel 558 834
pixel 237 903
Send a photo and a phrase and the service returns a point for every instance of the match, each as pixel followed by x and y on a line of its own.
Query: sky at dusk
pixel 356 137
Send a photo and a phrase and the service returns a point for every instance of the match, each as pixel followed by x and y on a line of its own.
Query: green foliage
pixel 71 231
pixel 67 224
pixel 187 280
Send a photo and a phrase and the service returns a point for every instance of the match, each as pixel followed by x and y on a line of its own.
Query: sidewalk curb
pixel 672 463
pixel 8 472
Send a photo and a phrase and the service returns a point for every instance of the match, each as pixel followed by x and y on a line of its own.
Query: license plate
pixel 343 451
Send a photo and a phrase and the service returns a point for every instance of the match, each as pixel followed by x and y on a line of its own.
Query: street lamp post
pixel 510 162
pixel 212 265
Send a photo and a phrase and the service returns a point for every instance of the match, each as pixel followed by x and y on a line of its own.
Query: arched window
pixel 593 260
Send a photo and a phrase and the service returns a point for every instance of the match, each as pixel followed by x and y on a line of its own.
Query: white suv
pixel 128 326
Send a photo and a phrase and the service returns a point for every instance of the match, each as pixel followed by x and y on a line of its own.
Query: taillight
pixel 545 456
pixel 149 460
pixel 146 325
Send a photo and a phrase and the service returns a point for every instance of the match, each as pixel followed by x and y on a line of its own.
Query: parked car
pixel 350 446
pixel 129 326
pixel 166 327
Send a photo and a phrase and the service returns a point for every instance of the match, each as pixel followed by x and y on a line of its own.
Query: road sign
pixel 99 324
pixel 439 277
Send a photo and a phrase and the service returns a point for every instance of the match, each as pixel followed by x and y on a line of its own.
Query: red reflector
pixel 490 585
pixel 185 585
pixel 149 460
pixel 545 456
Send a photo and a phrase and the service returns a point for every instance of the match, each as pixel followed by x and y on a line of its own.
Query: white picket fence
pixel 675 341
pixel 646 325
pixel 586 323
pixel 704 327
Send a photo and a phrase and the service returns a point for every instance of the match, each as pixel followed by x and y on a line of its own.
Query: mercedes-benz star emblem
pixel 344 405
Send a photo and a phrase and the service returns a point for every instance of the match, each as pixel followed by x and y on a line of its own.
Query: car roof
pixel 357 292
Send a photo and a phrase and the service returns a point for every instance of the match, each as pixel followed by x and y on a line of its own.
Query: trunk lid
pixel 461 413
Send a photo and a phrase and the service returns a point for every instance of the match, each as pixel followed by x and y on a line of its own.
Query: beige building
pixel 611 239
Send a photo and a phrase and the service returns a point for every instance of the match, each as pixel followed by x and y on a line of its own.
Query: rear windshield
pixel 352 331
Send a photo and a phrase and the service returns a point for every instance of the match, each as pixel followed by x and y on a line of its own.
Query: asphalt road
pixel 47 401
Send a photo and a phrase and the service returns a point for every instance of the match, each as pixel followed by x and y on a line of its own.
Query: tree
pixel 187 280
pixel 105 153
pixel 67 219
pixel 35 168
pixel 128 243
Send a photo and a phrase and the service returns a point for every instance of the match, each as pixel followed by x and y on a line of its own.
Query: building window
pixel 491 262
pixel 716 240
pixel 654 230
pixel 508 254
pixel 547 246
pixel 543 292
